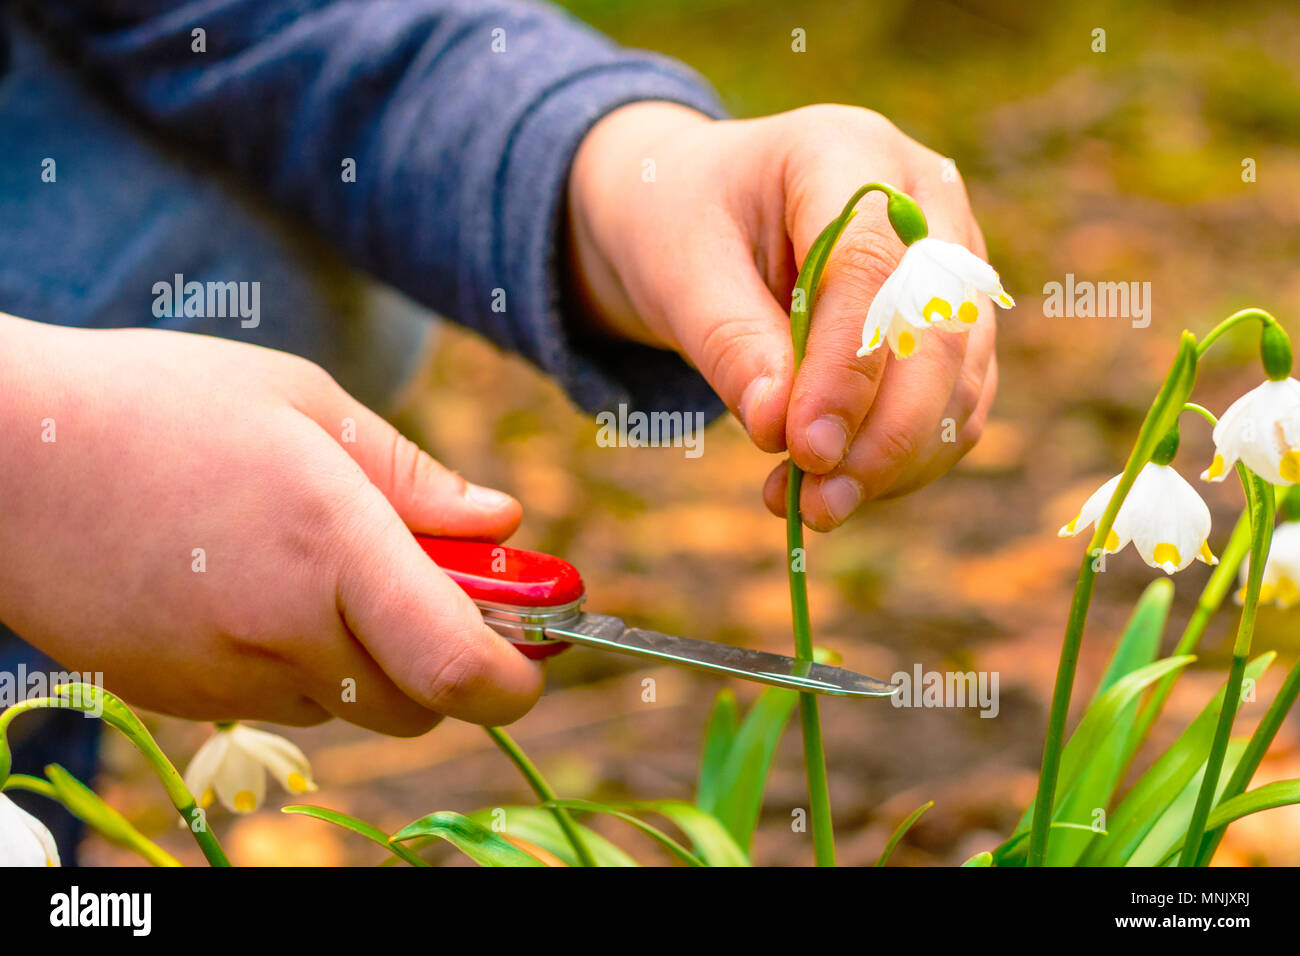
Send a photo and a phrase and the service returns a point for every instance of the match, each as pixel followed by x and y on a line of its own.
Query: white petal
pixel 205 762
pixel 283 758
pixel 24 840
pixel 240 781
pixel 1168 520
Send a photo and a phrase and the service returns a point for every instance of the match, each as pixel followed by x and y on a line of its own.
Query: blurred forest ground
pixel 1115 166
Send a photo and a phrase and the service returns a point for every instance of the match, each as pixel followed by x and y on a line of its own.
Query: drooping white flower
pixel 934 286
pixel 1281 583
pixel 1262 430
pixel 24 840
pixel 232 766
pixel 1163 516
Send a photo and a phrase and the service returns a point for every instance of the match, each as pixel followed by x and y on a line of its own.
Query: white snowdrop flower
pixel 1262 430
pixel 1281 583
pixel 24 840
pixel 934 286
pixel 1163 516
pixel 232 766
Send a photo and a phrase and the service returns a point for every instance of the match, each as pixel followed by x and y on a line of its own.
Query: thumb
pixel 422 629
pixel 731 327
pixel 428 497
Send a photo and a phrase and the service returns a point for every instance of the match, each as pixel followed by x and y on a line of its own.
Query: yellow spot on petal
pixel 298 783
pixel 938 305
pixel 906 344
pixel 1206 555
pixel 1112 541
pixel 206 799
pixel 1290 466
pixel 1216 468
pixel 1004 299
pixel 1287 592
pixel 1166 554
pixel 875 339
pixel 967 312
pixel 1072 527
pixel 245 802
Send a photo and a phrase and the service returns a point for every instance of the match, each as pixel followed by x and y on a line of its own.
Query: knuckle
pixel 726 345
pixel 410 468
pixel 897 447
pixel 455 676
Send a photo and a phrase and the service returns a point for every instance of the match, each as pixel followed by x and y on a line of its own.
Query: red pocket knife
pixel 534 600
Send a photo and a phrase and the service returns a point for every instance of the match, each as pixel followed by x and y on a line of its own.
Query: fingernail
pixel 488 498
pixel 753 396
pixel 842 495
pixel 827 437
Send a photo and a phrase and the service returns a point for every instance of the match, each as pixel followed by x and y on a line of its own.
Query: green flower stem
pixel 1250 760
pixel 177 792
pixel 823 831
pixel 1245 315
pixel 1212 597
pixel 1263 509
pixel 544 793
pixel 1162 416
pixel 22 781
pixel 805 291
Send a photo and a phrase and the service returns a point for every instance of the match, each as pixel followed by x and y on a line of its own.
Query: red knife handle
pixel 517 590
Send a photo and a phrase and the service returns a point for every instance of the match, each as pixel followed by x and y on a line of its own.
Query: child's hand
pixel 702 258
pixel 194 518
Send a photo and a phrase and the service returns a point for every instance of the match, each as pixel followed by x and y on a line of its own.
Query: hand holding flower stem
pixel 934 285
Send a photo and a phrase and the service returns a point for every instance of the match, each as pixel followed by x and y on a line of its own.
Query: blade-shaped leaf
pixel 538 827
pixel 654 833
pixel 1138 645
pixel 1167 833
pixel 724 723
pixel 1281 793
pixel 980 859
pixel 373 834
pixel 1152 795
pixel 709 838
pixel 902 831
pixel 86 805
pixel 1094 758
pixel 478 843
pixel 740 785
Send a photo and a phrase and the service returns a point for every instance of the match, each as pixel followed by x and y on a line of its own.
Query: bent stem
pixel 1260 497
pixel 118 715
pixel 1159 420
pixel 544 793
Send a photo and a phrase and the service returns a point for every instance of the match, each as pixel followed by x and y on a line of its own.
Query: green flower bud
pixel 906 217
pixel 1167 449
pixel 1275 351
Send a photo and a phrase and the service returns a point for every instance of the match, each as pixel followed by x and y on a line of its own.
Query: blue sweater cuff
pixel 525 235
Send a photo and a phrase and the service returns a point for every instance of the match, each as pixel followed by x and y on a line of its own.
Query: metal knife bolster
pixel 528 625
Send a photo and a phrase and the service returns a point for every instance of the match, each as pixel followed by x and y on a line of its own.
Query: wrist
pixel 613 162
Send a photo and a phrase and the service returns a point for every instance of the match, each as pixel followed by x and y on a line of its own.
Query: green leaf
pixel 373 834
pixel 539 827
pixel 1281 793
pixel 86 805
pixel 1140 641
pixel 478 843
pixel 1094 758
pixel 709 838
pixel 724 723
pixel 743 777
pixel 1170 828
pixel 902 830
pixel 663 839
pixel 1160 786
pixel 980 859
